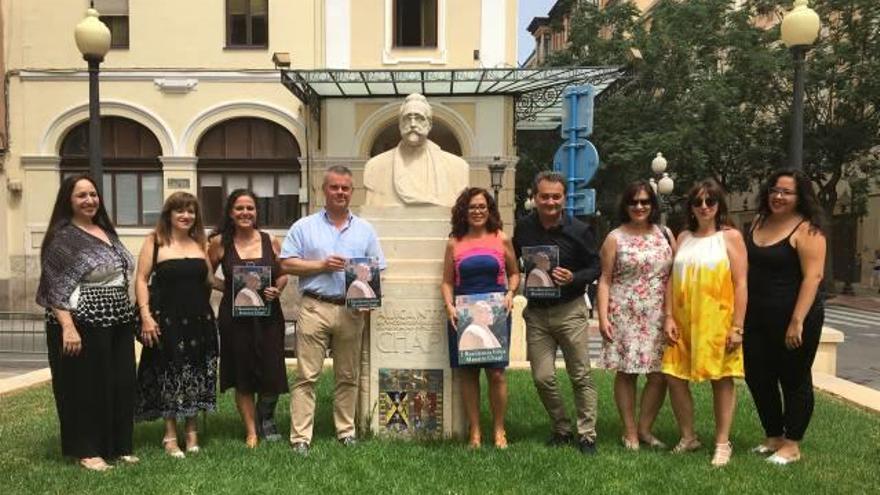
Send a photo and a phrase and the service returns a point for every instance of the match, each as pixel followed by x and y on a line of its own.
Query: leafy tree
pixel 712 91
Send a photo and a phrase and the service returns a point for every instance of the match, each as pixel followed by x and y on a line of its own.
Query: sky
pixel 527 10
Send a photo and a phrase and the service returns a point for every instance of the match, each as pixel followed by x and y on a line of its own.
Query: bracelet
pixel 737 330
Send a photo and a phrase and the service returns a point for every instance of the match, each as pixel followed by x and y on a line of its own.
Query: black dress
pixel 251 347
pixel 178 377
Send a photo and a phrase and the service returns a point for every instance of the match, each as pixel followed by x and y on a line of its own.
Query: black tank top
pixel 775 274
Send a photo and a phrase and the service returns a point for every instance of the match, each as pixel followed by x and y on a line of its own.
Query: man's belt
pixel 339 301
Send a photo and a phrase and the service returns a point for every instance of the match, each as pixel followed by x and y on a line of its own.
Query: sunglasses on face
pixel 639 202
pixel 709 202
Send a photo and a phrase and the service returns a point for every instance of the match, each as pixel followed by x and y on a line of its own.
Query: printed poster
pixel 362 286
pixel 248 284
pixel 483 328
pixel 411 401
pixel 539 262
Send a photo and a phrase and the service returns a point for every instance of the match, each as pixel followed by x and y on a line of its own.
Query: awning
pixel 537 92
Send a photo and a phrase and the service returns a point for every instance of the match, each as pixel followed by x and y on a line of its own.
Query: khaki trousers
pixel 322 324
pixel 562 326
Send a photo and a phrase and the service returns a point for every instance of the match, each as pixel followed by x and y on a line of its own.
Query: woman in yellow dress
pixel 705 309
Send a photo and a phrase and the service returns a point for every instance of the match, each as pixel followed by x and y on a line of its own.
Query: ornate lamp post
pixel 93 40
pixel 800 28
pixel 496 175
pixel 664 186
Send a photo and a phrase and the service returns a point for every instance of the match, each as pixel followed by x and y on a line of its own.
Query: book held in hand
pixel 248 284
pixel 362 287
pixel 539 262
pixel 483 331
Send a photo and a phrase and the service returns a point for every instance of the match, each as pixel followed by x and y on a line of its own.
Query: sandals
pixel 723 451
pixel 762 449
pixel 474 443
pixel 129 459
pixel 629 444
pixel 95 464
pixel 501 440
pixel 192 442
pixel 251 441
pixel 685 446
pixel 171 448
pixel 782 461
pixel 653 442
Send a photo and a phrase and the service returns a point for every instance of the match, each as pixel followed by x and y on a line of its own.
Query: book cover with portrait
pixel 362 286
pixel 483 328
pixel 248 284
pixel 539 262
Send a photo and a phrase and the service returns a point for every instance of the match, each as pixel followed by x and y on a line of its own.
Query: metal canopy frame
pixel 537 92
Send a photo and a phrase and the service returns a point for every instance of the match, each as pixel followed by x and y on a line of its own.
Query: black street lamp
pixel 800 28
pixel 496 176
pixel 93 40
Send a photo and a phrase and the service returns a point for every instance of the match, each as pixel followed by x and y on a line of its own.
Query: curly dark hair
pixel 629 193
pixel 713 190
pixel 226 228
pixel 807 203
pixel 459 221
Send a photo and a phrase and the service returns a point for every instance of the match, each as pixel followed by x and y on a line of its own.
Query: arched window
pixel 440 134
pixel 132 182
pixel 255 154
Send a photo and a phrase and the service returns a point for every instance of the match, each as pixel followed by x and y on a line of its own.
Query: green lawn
pixel 842 455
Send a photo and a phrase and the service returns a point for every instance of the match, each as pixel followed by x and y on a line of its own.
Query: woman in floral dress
pixel 636 259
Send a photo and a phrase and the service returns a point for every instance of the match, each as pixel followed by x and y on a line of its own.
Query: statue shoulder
pixel 377 167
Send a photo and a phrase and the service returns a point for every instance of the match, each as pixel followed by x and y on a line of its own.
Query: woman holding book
pixel 636 259
pixel 251 347
pixel 177 374
pixel 479 259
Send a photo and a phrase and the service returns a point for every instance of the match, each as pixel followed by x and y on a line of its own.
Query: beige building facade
pixel 191 100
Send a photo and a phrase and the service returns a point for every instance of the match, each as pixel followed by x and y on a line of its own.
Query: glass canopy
pixel 537 92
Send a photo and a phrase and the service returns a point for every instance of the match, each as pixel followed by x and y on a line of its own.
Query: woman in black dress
pixel 251 347
pixel 785 313
pixel 177 374
pixel 89 326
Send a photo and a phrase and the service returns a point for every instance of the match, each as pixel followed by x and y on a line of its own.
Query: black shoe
pixel 559 439
pixel 349 441
pixel 587 447
pixel 300 448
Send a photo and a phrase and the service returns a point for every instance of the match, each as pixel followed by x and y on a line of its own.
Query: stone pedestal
pixel 407 387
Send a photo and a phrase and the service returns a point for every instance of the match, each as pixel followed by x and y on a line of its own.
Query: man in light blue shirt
pixel 315 250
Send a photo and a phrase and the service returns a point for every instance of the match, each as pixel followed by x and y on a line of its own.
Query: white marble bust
pixel 416 171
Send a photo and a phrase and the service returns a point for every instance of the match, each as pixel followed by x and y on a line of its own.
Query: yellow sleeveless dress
pixel 702 305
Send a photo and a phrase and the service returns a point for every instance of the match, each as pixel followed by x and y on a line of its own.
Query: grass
pixel 841 455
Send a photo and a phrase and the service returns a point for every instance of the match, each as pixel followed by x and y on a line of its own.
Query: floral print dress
pixel 635 306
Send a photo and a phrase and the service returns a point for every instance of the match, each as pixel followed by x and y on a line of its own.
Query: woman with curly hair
pixel 784 320
pixel 479 259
